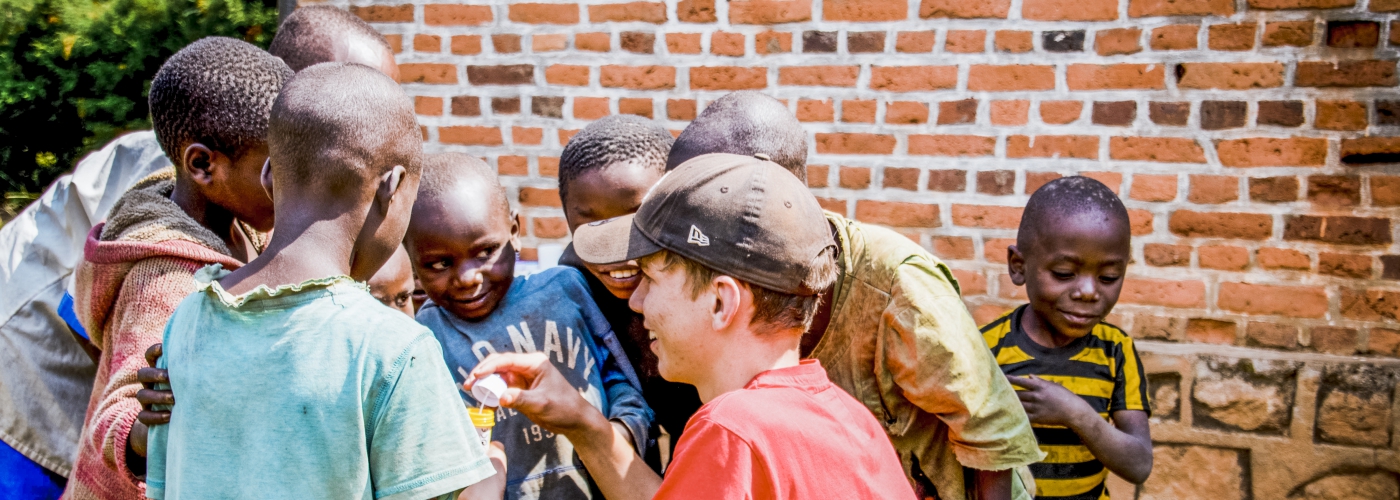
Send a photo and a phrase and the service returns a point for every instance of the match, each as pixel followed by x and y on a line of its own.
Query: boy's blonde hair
pixel 773 310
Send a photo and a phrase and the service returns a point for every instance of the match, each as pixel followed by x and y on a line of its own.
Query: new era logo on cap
pixel 697 237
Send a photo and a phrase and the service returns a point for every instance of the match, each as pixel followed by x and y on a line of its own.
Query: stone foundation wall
pixel 1252 140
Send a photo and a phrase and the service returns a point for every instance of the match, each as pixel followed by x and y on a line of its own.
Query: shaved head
pixel 445 173
pixel 745 123
pixel 321 33
pixel 1066 198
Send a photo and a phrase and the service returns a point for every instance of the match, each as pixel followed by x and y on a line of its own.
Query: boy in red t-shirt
pixel 734 252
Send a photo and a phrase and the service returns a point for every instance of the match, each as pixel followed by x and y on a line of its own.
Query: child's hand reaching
pixel 1050 403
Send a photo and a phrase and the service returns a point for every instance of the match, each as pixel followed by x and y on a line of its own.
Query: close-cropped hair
pixel 443 172
pixel 1069 197
pixel 342 124
pixel 308 35
pixel 773 310
pixel 217 92
pixel 612 140
pixel 745 123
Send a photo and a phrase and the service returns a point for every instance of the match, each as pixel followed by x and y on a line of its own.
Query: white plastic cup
pixel 488 390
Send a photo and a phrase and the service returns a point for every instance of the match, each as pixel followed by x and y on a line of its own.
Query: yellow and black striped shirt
pixel 1103 368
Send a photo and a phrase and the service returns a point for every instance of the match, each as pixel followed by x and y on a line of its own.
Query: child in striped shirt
pixel 1079 378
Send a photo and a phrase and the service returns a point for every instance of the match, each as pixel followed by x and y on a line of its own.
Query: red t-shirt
pixel 789 434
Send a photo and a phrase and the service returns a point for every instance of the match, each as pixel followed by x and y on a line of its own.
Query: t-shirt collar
pixel 808 375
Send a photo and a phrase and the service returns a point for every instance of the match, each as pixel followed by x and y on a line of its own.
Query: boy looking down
pixel 892 330
pixel 1080 379
pixel 733 253
pixel 462 240
pixel 294 381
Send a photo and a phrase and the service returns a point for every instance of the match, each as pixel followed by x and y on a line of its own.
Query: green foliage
pixel 74 74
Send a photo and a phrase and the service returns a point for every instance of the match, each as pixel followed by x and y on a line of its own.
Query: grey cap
pixel 739 215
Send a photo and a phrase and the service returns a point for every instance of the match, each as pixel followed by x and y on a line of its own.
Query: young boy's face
pixel 462 245
pixel 604 193
pixel 393 284
pixel 1073 273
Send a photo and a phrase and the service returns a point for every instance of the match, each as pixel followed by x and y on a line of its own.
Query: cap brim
pixel 614 240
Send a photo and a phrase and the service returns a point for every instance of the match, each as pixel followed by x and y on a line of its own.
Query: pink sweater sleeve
pixel 148 296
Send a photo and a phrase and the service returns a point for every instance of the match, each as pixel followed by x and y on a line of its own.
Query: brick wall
pixel 1250 139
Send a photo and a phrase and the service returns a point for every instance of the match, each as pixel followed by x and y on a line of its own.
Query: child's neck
pixel 215 218
pixel 1042 332
pixel 300 250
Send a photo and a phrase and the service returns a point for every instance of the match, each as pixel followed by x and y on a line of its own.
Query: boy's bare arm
pixel 1124 447
pixel 992 484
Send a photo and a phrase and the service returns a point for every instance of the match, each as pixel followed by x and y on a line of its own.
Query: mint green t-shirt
pixel 308 391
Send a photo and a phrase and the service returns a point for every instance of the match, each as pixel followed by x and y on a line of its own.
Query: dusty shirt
pixel 45 378
pixel 903 344
pixel 315 390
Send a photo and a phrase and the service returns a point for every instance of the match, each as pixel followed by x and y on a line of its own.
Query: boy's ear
pixel 728 301
pixel 200 163
pixel 265 178
pixel 515 229
pixel 389 184
pixel 1016 265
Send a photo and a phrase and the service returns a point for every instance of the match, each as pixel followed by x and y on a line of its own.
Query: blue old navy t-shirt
pixel 549 312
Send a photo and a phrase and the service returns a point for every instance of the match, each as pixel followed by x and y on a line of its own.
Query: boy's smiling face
pixel 462 243
pixel 604 193
pixel 1073 274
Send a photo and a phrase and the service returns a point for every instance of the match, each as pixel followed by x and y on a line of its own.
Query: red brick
pixel 728 78
pixel 906 113
pixel 1289 33
pixel 591 108
pixel 1034 180
pixel 1053 146
pixel 544 13
pixel 901 178
pixel 833 205
pixel 1344 265
pixel 427 73
pixel 465 45
pixel 513 165
pixel 1113 180
pixel 1060 112
pixel 539 197
pixel 1164 255
pixel 1213 189
pixel 966 41
pixel 772 42
pixel 566 134
pixel 1334 340
pixel 1010 78
pixel 457 15
pixel 549 43
pixel 1341 115
pixel 947 181
pixel 819 76
pixel 1211 331
pixel 1069 10
pixel 996 182
pixel 914 41
pixel 640 106
pixel 1224 257
pixel 1353 34
pixel 683 43
pixel 597 42
pixel 1169 293
pixel 1161 149
pixel 1152 8
pixel 1371 305
pixel 897 214
pixel 865 10
pixel 1153 187
pixel 1337 229
pixel 647 12
pixel 1269 152
pixel 956 112
pixel 550 227
pixel 858 111
pixel 395 42
pixel 855 144
pixel 505 43
pixel 769 11
pixel 1118 41
pixel 1115 76
pixel 549 166
pixel 1385 190
pixel 696 11
pixel 913 78
pixel 470 135
pixel 1271 335
pixel 427 43
pixel 970 282
pixel 1190 223
pixel 385 13
pixel 1385 342
pixel 427 106
pixel 1232 36
pixel 513 74
pixel 637 42
pixel 680 109
pixel 466 105
pixel 528 136
pixel 1229 76
pixel 994 250
pixel 1334 190
pixel 1283 258
pixel 1174 37
pixel 1373 149
pixel 1014 41
pixel 962 9
pixel 727 44
pixel 810 110
pixel 638 77
pixel 1384 5
pixel 1010 113
pixel 817 176
pixel 986 216
pixel 853 178
pixel 1345 74
pixel 1300 4
pixel 952 145
pixel 563 74
pixel 953 248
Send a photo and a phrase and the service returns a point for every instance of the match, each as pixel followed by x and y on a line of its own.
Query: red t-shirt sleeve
pixel 711 462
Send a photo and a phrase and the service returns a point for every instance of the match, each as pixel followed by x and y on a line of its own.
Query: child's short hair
pixel 772 308
pixel 745 123
pixel 1066 197
pixel 614 139
pixel 307 36
pixel 442 172
pixel 340 125
pixel 218 92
